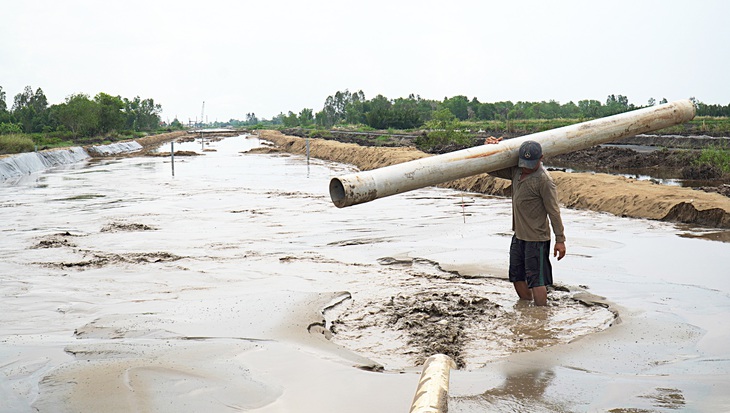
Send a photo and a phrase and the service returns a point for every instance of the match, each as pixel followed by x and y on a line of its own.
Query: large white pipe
pixel 432 393
pixel 366 186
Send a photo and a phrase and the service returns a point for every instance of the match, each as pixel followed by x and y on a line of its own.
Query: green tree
pixel 485 111
pixel 458 105
pixel 425 107
pixel 30 109
pixel 404 114
pixel 355 108
pixel 320 119
pixel 141 115
pixel 590 108
pixel 176 124
pixel 9 129
pixel 334 108
pixel 3 103
pixel 520 110
pixel 378 112
pixel 502 109
pixel 443 132
pixel 251 119
pixel 616 104
pixel 327 117
pixel 570 111
pixel 5 115
pixel 78 114
pixel 111 112
pixel 290 120
pixel 306 117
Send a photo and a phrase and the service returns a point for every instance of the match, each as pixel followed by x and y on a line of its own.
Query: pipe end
pixel 337 193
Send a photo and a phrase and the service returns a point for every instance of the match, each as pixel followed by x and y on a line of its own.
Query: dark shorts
pixel 530 261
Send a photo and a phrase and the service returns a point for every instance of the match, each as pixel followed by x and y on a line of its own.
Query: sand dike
pixel 621 196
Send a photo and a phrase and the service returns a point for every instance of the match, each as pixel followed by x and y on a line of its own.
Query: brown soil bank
pixel 150 143
pixel 597 192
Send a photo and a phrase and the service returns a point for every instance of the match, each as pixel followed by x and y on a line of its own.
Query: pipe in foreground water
pixel 432 393
pixel 366 186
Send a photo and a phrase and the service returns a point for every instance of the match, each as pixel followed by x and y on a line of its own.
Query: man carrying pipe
pixel 534 200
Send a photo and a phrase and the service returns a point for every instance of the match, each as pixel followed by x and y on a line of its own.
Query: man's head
pixel 530 154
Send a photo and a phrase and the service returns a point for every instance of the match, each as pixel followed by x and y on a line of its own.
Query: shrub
pixel 15 144
pixel 444 134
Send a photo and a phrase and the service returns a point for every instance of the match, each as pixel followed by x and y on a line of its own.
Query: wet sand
pixel 237 285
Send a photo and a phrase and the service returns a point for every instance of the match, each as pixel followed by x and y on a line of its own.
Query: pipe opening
pixel 337 192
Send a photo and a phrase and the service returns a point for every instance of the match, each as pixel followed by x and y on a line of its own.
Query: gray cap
pixel 530 153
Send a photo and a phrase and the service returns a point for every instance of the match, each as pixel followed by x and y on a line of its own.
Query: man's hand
pixel 559 250
pixel 491 140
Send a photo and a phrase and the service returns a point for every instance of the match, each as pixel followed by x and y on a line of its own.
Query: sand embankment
pixel 617 195
pixel 153 141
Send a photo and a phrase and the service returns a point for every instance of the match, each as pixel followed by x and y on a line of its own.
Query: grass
pixel 15 144
pixel 718 156
pixel 701 125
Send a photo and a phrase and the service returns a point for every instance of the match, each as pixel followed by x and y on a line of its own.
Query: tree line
pixel 80 115
pixel 412 112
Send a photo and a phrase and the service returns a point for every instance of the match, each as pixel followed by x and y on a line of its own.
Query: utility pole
pixel 202 111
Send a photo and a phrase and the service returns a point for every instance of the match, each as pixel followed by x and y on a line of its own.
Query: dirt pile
pixel 617 195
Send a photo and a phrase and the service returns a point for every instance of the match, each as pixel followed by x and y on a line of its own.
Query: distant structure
pixel 198 124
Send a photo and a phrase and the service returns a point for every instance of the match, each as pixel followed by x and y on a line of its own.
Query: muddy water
pixel 236 285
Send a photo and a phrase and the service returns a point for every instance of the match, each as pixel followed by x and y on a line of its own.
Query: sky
pixel 274 56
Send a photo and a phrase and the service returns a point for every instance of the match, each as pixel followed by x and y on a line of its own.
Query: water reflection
pixel 522 391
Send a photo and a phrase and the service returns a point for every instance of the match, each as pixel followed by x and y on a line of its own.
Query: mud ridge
pixel 98 259
pixel 123 227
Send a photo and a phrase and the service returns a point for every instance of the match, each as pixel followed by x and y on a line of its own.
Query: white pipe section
pixel 433 388
pixel 366 186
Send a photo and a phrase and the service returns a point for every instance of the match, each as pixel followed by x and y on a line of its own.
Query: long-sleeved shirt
pixel 534 199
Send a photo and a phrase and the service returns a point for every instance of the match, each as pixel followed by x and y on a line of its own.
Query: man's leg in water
pixel 522 290
pixel 517 269
pixel 540 295
pixel 538 271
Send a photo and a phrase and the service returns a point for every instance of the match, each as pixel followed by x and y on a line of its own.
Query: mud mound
pixel 262 150
pixel 124 227
pixel 98 259
pixel 433 323
pixel 597 192
pixel 59 240
pixel 722 190
pixel 167 154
